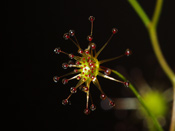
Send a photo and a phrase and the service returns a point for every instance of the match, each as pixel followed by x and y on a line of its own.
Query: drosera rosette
pixel 87 67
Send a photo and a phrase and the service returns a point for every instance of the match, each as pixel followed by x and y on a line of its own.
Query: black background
pixel 32 101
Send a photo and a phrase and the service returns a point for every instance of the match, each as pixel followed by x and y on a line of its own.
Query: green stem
pixel 156 123
pixel 159 55
pixel 140 12
pixel 157 12
pixel 151 27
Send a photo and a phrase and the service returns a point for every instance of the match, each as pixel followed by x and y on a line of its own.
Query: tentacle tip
pixel 128 52
pixel 126 84
pixel 103 96
pixel 65 65
pixel 93 107
pixel 71 32
pixel 77 63
pixel 107 71
pixel 71 56
pixel 114 30
pixel 75 70
pixel 73 90
pixel 66 36
pixel 56 79
pixel 65 81
pixel 89 38
pixel 57 50
pixel 65 101
pixel 87 52
pixel 78 77
pixel 85 89
pixel 80 51
pixel 93 46
pixel 87 111
pixel 91 18
pixel 111 103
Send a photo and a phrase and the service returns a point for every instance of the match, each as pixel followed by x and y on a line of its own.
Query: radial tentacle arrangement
pixel 87 67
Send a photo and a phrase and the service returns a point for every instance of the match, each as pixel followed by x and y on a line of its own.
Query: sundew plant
pixel 87 67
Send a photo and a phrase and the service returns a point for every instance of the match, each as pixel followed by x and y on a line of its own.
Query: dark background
pixel 32 101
